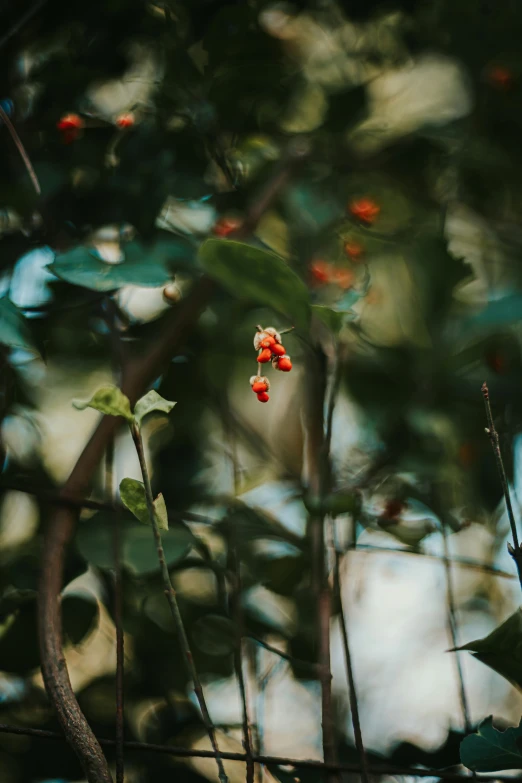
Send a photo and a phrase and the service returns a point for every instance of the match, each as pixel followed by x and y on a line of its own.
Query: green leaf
pixel 502 649
pixel 214 634
pixel 152 401
pixel 138 550
pixel 133 497
pixel 109 400
pixel 142 265
pixel 490 750
pixel 332 319
pixel 255 274
pixel 14 332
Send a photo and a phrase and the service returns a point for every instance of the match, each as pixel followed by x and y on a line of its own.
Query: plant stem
pixel 170 595
pixel 491 432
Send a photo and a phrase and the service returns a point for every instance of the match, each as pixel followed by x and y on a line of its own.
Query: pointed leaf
pixel 132 493
pixel 502 649
pixel 109 400
pixel 258 275
pixel 490 750
pixel 152 401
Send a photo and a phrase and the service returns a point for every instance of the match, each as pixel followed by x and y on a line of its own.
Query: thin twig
pixel 189 753
pixel 354 704
pixel 171 597
pixel 491 432
pixel 297 662
pixel 21 149
pixel 453 629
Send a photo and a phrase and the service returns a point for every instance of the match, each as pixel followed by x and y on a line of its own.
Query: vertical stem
pixel 354 705
pixel 170 594
pixel 319 469
pixel 491 432
pixel 452 625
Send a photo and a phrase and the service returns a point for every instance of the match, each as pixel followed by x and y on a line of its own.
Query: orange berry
pixel 320 271
pixel 263 397
pixel 344 278
pixel 278 350
pixel 264 356
pixel 365 210
pixel 500 77
pixel 125 120
pixel 353 250
pixel 259 387
pixel 284 364
pixel 225 226
pixel 268 342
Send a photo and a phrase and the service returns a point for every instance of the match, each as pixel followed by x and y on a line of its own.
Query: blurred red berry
pixel 320 271
pixel 125 120
pixel 500 77
pixel 263 397
pixel 259 387
pixel 344 278
pixel 496 362
pixel 225 226
pixel 392 510
pixel 70 125
pixel 365 210
pixel 264 356
pixel 353 250
pixel 278 350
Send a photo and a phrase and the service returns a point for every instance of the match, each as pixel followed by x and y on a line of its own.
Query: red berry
pixel 320 271
pixel 344 278
pixel 70 121
pixel 125 120
pixel 353 250
pixel 284 364
pixel 278 350
pixel 263 397
pixel 364 209
pixel 264 356
pixel 259 387
pixel 226 225
pixel 268 342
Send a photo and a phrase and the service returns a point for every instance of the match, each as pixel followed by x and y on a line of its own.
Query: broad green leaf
pixel 109 400
pixel 502 649
pixel 14 332
pixel 332 319
pixel 152 401
pixel 258 275
pixel 142 265
pixel 490 750
pixel 19 650
pixel 132 493
pixel 214 634
pixel 94 541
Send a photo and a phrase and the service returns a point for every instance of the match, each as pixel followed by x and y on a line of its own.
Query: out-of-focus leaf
pixel 490 750
pixel 501 650
pixel 142 265
pixel 108 400
pixel 152 401
pixel 138 550
pixel 214 634
pixel 19 650
pixel 14 332
pixel 256 274
pixel 132 493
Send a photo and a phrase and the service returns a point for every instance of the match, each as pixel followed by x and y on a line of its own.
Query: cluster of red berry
pixel 267 343
pixel 323 272
pixel 71 125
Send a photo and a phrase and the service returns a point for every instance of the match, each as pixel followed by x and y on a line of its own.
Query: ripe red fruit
pixel 225 226
pixel 364 209
pixel 263 397
pixel 353 250
pixel 264 356
pixel 320 271
pixel 284 364
pixel 278 350
pixel 125 120
pixel 70 125
pixel 268 342
pixel 259 386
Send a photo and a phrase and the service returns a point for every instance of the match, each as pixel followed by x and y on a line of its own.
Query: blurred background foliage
pixel 393 247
